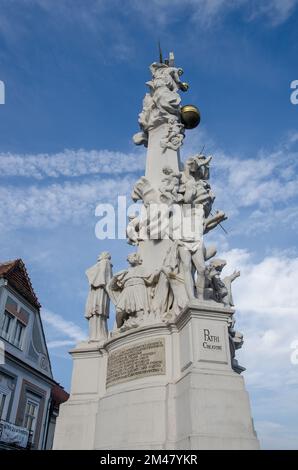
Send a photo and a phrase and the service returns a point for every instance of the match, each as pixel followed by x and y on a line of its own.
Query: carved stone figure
pixel 191 250
pixel 164 86
pixel 133 229
pixel 236 342
pixel 143 190
pixel 170 187
pixel 228 281
pixel 214 284
pixel 169 295
pixel 128 290
pixel 214 221
pixel 162 102
pixel 219 289
pixel 175 135
pixel 198 199
pixel 195 187
pixel 97 305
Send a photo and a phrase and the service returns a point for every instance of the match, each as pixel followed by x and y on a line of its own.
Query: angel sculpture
pixel 162 102
pixel 175 135
pixel 133 230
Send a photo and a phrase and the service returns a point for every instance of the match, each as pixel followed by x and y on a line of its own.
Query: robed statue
pixel 98 301
pixel 128 290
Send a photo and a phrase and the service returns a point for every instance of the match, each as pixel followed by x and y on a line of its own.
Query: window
pixel 7 324
pixel 13 323
pixel 5 395
pixel 17 338
pixel 2 405
pixel 11 305
pixel 31 413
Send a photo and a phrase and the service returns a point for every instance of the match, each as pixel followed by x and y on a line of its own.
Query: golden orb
pixel 184 86
pixel 190 116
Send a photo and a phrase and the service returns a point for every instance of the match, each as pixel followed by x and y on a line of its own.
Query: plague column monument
pixel 166 376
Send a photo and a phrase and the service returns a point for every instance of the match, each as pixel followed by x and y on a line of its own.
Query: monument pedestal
pixel 161 386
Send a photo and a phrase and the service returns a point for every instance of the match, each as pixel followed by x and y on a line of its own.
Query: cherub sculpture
pixel 170 187
pixel 175 135
pixel 133 229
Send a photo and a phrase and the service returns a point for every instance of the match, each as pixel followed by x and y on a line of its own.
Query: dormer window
pixel 7 325
pixel 14 322
pixel 18 334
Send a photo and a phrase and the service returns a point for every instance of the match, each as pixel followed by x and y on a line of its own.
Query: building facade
pixel 29 396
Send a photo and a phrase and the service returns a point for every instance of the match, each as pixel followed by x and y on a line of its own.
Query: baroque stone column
pixel 166 377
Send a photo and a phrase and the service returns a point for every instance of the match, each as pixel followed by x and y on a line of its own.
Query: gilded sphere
pixel 190 116
pixel 184 86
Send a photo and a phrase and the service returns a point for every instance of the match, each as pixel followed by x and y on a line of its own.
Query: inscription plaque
pixel 137 361
pixel 212 343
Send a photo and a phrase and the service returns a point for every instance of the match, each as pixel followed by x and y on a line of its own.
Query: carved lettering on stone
pixel 134 362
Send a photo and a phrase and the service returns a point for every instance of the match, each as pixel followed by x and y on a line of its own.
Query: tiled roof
pixel 6 267
pixel 59 395
pixel 16 274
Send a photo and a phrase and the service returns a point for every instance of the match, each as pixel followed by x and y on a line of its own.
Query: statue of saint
pixel 128 290
pixel 198 199
pixel 98 302
pixel 170 296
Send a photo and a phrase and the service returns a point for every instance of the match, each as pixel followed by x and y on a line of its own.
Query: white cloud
pixel 55 204
pixel 206 12
pixel 67 331
pixel 276 436
pixel 70 164
pixel 99 17
pixel 266 298
pixel 277 11
pixel 257 193
pixel 262 181
pixel 59 344
pixel 266 287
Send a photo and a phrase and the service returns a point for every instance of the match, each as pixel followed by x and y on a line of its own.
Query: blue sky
pixel 75 75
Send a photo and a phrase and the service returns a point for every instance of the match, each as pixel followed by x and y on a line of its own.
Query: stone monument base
pixel 164 386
